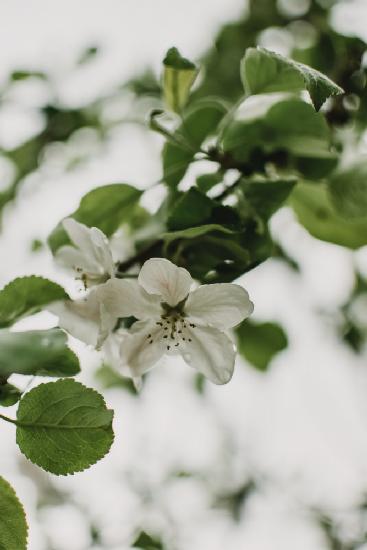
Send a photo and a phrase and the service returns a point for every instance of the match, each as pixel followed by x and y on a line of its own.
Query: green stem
pixel 7 419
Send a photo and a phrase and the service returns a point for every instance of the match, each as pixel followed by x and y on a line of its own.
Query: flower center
pixel 173 328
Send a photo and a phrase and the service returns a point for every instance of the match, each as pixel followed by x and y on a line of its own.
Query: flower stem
pixel 7 419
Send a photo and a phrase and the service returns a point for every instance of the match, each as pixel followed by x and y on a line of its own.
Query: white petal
pixel 160 276
pixel 137 352
pixel 211 352
pixel 221 305
pixel 74 258
pixel 126 297
pixel 111 352
pixel 89 319
pixel 95 255
pixel 79 234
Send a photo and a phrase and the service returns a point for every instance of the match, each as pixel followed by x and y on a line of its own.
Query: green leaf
pixel 287 126
pixel 105 207
pixel 37 352
pixel 193 208
pixel 25 296
pixel 178 77
pixel 109 378
pixel 258 343
pixel 316 213
pixel 13 524
pixel 64 427
pixel 199 122
pixel 9 395
pixel 193 232
pixel 348 189
pixel 206 181
pixel 266 196
pixel 264 71
pixel 146 542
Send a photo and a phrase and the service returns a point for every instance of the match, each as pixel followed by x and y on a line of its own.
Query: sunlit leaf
pixel 178 77
pixel 264 71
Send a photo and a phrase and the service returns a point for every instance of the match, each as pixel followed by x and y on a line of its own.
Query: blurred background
pixel 275 460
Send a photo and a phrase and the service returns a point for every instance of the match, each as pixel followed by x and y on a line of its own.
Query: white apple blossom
pixel 91 257
pixel 171 319
pixel 90 319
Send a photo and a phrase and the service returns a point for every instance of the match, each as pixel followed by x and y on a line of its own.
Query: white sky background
pixel 301 429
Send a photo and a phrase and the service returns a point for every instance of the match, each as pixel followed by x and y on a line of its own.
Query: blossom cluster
pixel 170 315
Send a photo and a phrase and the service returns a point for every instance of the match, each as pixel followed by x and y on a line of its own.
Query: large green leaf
pixel 178 77
pixel 199 121
pixel 25 296
pixel 260 342
pixel 36 352
pixel 192 208
pixel 264 71
pixel 348 188
pixel 64 427
pixel 13 524
pixel 105 207
pixel 316 213
pixel 287 126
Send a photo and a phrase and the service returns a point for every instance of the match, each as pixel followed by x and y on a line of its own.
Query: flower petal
pixel 79 234
pixel 221 305
pixel 211 352
pixel 126 297
pixel 160 276
pixel 89 319
pixel 95 256
pixel 73 258
pixel 142 348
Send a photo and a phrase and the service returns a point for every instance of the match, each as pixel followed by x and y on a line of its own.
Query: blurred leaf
pixel 258 343
pixel 199 122
pixel 178 77
pixel 266 196
pixel 64 427
pixel 109 378
pixel 264 71
pixel 105 207
pixel 36 352
pixel 88 54
pixel 146 542
pixel 348 188
pixel 206 181
pixel 316 213
pixel 9 395
pixel 13 524
pixel 36 245
pixel 24 75
pixel 25 296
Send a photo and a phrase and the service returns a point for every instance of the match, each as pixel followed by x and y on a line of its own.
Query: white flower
pixel 171 319
pixel 90 319
pixel 91 257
